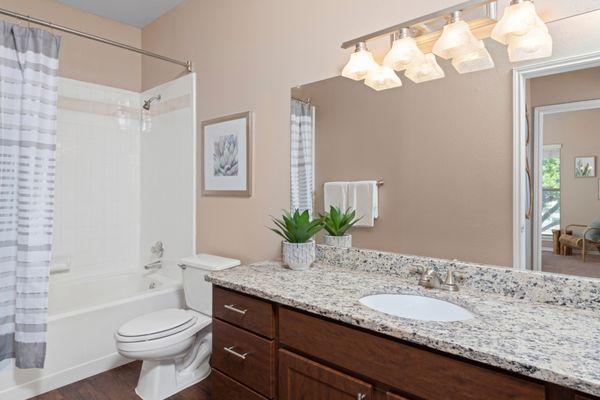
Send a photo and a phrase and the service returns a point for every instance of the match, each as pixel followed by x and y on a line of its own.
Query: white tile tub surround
pixel 97 212
pixel 168 179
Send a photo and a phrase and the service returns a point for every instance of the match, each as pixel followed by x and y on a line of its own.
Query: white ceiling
pixel 138 13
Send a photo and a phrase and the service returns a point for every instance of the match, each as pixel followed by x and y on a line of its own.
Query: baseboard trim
pixel 62 378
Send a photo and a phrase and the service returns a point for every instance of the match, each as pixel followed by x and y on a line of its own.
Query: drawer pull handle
pixel 361 396
pixel 231 307
pixel 231 351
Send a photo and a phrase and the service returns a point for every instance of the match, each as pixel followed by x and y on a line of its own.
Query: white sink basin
pixel 416 307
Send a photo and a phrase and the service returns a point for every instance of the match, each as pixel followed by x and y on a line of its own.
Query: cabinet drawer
pixel 225 388
pixel 244 311
pixel 245 357
pixel 422 373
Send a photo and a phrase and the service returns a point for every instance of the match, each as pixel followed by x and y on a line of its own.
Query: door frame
pixel 521 187
pixel 538 150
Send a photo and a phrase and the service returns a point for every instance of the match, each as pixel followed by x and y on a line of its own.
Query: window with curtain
pixel 550 188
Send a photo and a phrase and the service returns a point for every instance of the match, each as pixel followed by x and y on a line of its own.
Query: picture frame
pixel 226 155
pixel 585 167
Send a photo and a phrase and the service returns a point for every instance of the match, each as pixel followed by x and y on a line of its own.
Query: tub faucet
pixel 154 265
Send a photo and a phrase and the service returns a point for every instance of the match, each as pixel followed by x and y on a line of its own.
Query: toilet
pixel 175 344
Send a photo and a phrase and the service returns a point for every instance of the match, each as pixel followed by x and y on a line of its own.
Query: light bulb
pixel 537 43
pixel 476 58
pixel 382 78
pixel 404 50
pixel 518 19
pixel 455 37
pixel 360 63
pixel 424 69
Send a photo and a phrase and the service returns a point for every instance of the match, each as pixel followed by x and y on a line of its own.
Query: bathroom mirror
pixel 444 152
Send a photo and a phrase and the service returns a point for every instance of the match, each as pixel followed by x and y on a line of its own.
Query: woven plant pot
pixel 299 256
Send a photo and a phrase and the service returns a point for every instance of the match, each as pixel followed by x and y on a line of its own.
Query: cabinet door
pixel 303 379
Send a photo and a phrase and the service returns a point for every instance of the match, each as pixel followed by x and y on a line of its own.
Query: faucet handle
pixel 417 269
pixel 450 281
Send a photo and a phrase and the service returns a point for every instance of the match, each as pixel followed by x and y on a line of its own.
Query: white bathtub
pixel 83 315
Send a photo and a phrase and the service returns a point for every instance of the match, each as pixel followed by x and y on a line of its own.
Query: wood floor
pixel 118 384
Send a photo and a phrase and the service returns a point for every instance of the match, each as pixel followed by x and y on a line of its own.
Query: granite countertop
pixel 552 343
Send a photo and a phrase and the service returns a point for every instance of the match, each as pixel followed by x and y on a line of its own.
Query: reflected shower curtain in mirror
pixel 28 108
pixel 302 134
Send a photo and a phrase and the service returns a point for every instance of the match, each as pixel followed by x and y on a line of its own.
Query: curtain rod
pixel 48 24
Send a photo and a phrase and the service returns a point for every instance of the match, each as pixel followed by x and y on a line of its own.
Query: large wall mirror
pixel 444 151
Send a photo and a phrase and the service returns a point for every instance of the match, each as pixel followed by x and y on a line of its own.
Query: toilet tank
pixel 198 292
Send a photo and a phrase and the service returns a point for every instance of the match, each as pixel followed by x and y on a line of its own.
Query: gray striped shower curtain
pixel 28 107
pixel 302 136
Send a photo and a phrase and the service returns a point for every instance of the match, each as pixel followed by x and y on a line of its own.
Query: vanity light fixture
pixel 457 42
pixel 404 51
pixel 525 33
pixel 381 78
pixel 424 69
pixel 360 64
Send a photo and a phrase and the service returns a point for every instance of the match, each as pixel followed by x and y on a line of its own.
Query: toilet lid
pixel 159 323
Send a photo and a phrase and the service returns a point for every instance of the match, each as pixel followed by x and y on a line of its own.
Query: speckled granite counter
pixel 549 342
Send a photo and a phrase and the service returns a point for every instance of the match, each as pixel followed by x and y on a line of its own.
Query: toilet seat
pixel 164 338
pixel 156 325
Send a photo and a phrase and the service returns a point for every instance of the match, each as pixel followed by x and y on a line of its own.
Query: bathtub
pixel 83 314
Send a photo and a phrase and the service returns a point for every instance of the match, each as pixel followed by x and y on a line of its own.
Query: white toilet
pixel 175 344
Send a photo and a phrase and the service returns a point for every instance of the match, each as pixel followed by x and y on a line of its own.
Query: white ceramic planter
pixel 338 241
pixel 299 256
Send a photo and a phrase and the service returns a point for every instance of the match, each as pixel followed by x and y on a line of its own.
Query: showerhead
pixel 149 102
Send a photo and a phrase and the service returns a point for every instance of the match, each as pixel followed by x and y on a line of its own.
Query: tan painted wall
pixel 567 87
pixel 442 148
pixel 248 54
pixel 577 132
pixel 84 59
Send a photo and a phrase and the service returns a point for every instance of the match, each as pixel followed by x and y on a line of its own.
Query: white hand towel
pixel 336 194
pixel 363 197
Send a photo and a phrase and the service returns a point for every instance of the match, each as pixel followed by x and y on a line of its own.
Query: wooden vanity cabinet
pixel 294 355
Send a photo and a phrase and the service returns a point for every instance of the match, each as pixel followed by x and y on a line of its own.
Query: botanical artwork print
pixel 585 166
pixel 225 156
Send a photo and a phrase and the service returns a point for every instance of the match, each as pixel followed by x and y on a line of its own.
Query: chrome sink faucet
pixel 430 279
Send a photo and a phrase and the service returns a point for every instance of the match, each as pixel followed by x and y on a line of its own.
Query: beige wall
pixel 84 59
pixel 443 149
pixel 566 87
pixel 248 54
pixel 577 132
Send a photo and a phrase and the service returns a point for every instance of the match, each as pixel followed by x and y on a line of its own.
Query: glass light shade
pixel 402 53
pixel 361 62
pixel 476 58
pixel 424 69
pixel 382 78
pixel 537 43
pixel 455 37
pixel 518 19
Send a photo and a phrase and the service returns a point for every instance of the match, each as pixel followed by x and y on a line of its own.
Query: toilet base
pixel 161 379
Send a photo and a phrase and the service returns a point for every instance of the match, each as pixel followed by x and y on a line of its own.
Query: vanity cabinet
pixel 268 351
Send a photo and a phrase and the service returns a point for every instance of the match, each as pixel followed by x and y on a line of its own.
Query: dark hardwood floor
pixel 118 384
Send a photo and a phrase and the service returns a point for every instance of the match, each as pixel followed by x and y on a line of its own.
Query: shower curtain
pixel 28 104
pixel 302 185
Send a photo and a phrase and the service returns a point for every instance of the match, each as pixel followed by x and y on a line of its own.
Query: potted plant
pixel 337 223
pixel 297 230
